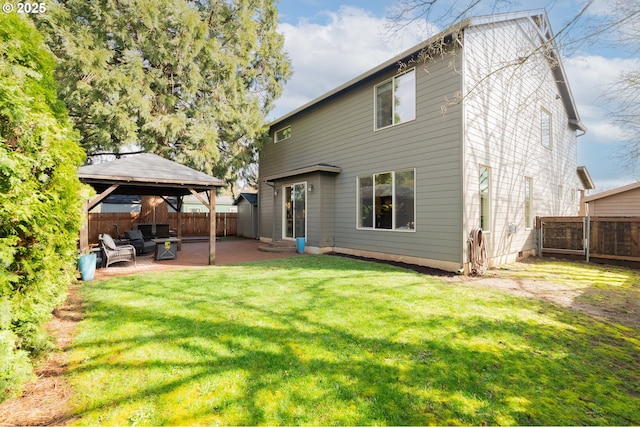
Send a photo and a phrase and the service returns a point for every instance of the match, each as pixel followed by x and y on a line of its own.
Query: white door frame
pixel 284 211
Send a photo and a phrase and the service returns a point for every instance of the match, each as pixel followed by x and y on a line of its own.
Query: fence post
pixel 588 237
pixel 540 235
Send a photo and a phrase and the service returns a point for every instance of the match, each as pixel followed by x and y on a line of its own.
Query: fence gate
pixel 563 235
pixel 614 238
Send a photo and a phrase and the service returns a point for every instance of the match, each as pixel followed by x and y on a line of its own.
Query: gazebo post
pixel 179 226
pixel 210 202
pixel 86 207
pixel 212 226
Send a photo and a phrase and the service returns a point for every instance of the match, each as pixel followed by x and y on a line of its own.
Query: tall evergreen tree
pixel 190 80
pixel 40 204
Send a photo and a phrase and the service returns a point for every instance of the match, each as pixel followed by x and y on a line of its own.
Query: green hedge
pixel 40 199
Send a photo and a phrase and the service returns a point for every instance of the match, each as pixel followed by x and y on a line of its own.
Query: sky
pixel 329 42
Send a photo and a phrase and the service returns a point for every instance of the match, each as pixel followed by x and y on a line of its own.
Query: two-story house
pixel 475 128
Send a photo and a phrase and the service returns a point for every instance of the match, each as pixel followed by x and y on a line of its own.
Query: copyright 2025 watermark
pixel 25 8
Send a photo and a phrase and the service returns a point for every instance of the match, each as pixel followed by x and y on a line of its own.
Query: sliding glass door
pixel 295 211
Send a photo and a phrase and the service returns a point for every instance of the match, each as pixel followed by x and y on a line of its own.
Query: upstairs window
pixel 396 100
pixel 282 134
pixel 545 128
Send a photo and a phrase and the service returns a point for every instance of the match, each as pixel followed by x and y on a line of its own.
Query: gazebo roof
pixel 147 174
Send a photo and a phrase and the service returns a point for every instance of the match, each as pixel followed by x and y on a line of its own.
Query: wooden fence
pixel 615 238
pixel 193 223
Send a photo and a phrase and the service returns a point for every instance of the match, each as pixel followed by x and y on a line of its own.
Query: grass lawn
pixel 326 340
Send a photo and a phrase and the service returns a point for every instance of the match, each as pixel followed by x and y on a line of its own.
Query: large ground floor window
pixel 386 201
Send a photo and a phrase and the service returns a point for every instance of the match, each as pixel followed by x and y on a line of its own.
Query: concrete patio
pixel 195 254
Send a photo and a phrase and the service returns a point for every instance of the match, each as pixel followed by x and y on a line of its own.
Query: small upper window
pixel 282 134
pixel 485 198
pixel 528 202
pixel 545 128
pixel 396 100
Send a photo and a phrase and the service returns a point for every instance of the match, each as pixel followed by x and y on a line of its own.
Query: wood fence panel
pixel 100 223
pixel 616 238
pixel 193 223
pixel 227 224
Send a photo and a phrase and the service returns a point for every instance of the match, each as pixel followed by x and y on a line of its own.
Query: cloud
pixel 345 43
pixel 591 78
pixel 602 149
pixel 324 56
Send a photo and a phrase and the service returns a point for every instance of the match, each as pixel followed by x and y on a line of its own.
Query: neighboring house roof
pixel 249 197
pixel 121 199
pixel 147 174
pixel 546 36
pixel 613 192
pixel 585 178
pixel 220 200
pixel 225 200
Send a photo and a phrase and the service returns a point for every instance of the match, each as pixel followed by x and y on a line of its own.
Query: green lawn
pixel 326 340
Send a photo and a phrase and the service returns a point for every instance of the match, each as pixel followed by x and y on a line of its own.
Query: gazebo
pixel 150 175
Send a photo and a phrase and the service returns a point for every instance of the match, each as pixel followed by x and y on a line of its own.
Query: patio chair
pixel 115 253
pixel 136 238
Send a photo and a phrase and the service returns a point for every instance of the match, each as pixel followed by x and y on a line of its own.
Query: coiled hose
pixel 478 262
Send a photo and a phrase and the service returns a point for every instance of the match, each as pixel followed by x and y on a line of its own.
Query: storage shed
pixel 247 204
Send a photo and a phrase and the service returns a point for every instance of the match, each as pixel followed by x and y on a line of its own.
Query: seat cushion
pixel 108 242
pixel 134 235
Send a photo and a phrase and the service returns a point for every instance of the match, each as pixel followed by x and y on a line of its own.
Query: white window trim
pixel 395 230
pixel 490 196
pixel 275 134
pixel 528 225
pixel 284 208
pixel 550 116
pixel 375 101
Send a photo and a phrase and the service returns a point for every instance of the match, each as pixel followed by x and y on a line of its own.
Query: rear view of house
pixel 473 129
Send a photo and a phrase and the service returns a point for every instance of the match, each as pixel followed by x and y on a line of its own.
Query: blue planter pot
pixel 300 245
pixel 87 266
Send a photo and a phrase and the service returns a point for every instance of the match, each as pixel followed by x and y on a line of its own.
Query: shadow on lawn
pixel 318 353
pixel 602 291
pixel 619 303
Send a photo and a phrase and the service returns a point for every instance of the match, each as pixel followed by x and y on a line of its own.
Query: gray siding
pixel 247 221
pixel 340 132
pixel 265 209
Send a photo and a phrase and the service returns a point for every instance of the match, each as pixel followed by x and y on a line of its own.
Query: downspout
pixel 463 156
pixel 273 209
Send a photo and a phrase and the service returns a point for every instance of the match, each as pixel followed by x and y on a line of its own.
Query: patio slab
pixel 195 254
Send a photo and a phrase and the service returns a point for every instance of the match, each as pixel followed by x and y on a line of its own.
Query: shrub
pixel 40 203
